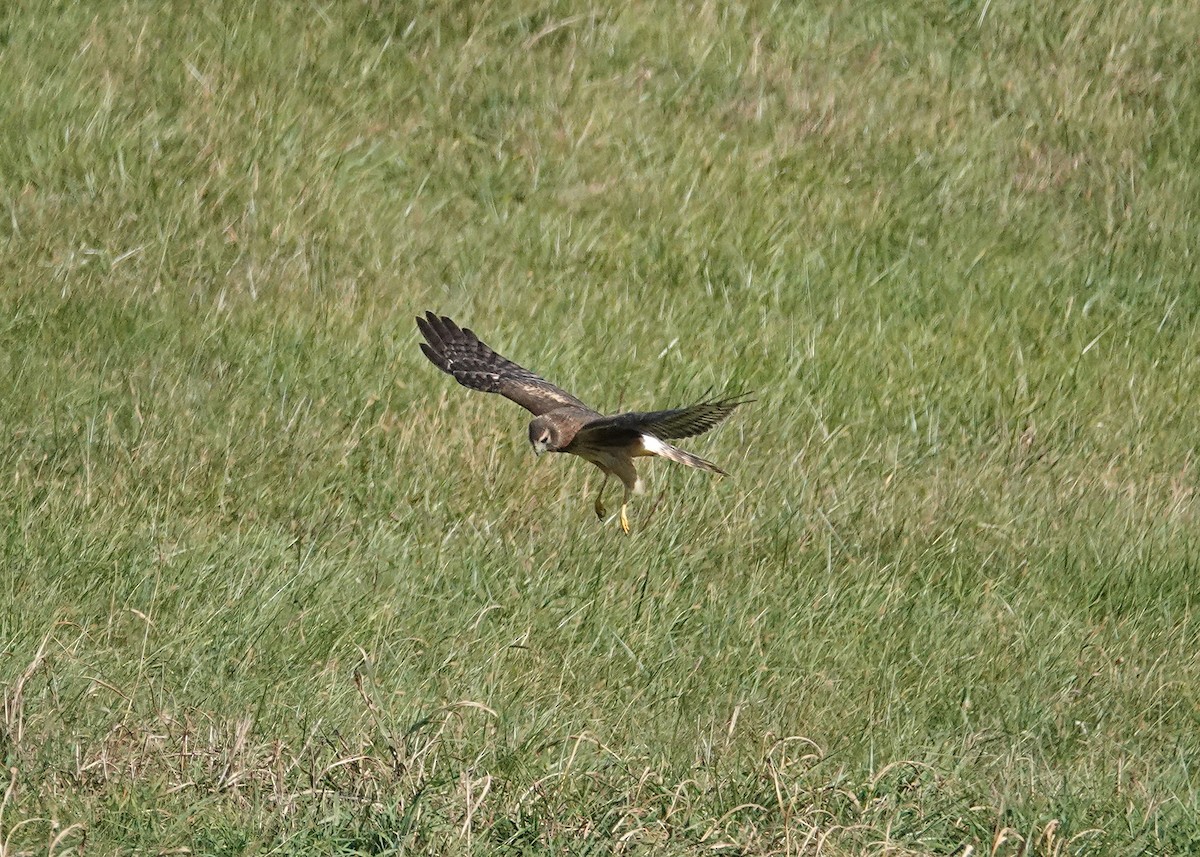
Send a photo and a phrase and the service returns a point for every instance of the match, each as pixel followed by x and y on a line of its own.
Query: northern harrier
pixel 562 423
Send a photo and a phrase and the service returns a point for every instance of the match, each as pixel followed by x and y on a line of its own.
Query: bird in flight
pixel 562 423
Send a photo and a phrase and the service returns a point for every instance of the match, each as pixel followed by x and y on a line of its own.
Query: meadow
pixel 272 584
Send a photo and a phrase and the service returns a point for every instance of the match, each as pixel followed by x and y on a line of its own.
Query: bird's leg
pixel 600 510
pixel 624 517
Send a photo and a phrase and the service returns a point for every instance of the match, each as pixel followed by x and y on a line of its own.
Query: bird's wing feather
pixel 459 352
pixel 668 425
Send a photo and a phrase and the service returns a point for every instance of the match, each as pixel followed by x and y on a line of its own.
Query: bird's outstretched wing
pixel 667 425
pixel 459 352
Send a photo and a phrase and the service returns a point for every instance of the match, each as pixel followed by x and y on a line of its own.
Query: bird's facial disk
pixel 541 443
pixel 541 437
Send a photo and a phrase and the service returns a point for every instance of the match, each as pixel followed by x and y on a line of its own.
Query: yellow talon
pixel 624 520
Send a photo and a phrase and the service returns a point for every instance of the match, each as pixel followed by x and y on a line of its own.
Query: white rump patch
pixel 653 445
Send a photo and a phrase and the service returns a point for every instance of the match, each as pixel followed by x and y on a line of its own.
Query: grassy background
pixel 274 585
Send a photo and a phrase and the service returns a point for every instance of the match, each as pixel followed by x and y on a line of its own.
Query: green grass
pixel 273 584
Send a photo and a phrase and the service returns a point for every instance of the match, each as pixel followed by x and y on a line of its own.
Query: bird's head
pixel 543 436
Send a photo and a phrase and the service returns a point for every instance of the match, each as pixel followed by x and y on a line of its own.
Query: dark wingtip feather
pixel 733 401
pixel 745 397
pixel 428 329
pixel 449 327
pixel 434 357
pixel 742 397
pixel 441 331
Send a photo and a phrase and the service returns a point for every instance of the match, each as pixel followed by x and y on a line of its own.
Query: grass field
pixel 274 585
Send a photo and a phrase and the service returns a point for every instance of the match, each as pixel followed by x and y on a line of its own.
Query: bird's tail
pixel 679 456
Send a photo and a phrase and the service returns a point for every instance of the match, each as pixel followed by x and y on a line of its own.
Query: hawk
pixel 563 423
